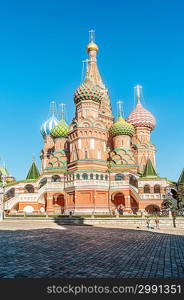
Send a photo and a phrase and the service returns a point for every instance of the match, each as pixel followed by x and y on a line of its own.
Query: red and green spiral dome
pixel 88 91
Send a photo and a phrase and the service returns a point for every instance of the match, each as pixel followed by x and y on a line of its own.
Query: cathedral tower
pixel 144 122
pixel 88 133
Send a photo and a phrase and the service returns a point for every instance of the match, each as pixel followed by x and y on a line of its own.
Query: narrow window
pixel 85 176
pixel 146 189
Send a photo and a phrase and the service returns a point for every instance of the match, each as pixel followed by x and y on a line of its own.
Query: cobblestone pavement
pixel 84 251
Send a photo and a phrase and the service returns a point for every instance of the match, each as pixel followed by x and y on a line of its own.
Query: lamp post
pixel 109 172
pixel 2 199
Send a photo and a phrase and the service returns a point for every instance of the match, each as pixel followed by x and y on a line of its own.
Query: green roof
pixel 3 171
pixel 181 179
pixel 149 170
pixel 121 127
pixel 33 172
pixel 60 130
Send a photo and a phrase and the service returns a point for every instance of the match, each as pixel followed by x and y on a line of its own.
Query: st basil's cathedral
pixel 96 164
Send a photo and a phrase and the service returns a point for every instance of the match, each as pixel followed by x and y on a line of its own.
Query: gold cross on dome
pixel 91 35
pixel 120 108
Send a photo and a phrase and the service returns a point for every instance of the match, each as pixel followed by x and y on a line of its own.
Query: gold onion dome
pixel 88 91
pixel 9 179
pixel 92 46
pixel 60 130
pixel 121 127
pixel 141 117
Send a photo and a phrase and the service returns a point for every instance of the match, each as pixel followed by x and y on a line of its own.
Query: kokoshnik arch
pixel 95 164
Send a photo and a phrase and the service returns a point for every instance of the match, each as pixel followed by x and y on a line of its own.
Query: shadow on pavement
pixel 77 221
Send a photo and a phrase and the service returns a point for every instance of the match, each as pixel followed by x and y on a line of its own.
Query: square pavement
pixel 47 250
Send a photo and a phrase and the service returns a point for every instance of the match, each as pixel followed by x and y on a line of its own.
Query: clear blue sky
pixel 42 45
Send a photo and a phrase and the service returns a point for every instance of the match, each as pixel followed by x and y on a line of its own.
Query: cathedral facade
pixel 96 164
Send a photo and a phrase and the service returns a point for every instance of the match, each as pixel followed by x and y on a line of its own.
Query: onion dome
pixel 60 130
pixel 92 47
pixel 51 122
pixel 121 127
pixel 48 125
pixel 88 91
pixel 141 117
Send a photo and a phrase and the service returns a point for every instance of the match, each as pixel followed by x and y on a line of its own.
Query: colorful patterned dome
pixel 141 117
pixel 88 91
pixel 60 130
pixel 121 127
pixel 48 125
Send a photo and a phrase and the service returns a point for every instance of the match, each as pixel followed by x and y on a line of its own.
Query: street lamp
pixel 3 177
pixel 109 172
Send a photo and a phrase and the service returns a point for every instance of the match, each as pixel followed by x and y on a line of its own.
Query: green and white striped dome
pixel 121 127
pixel 60 130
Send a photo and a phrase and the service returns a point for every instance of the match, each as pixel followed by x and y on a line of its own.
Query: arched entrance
pixel 152 209
pixel 118 201
pixel 43 202
pixel 58 203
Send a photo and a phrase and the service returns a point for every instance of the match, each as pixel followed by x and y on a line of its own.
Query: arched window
pixel 106 177
pixel 86 154
pixel 91 176
pixel 10 194
pixel 101 177
pixel 85 176
pixel 157 189
pixel 55 178
pixel 75 155
pixel 43 181
pixel 29 188
pixel 97 176
pixel 78 176
pixel 119 177
pixel 133 181
pixel 146 189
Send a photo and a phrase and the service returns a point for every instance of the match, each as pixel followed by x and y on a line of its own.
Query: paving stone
pixel 88 251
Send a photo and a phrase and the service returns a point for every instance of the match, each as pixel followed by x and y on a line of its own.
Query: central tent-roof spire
pixel 92 70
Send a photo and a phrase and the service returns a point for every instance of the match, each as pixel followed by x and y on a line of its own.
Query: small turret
pixel 62 128
pixel 149 170
pixel 33 171
pixel 121 131
pixel 141 117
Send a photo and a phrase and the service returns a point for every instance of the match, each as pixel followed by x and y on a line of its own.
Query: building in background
pixel 96 164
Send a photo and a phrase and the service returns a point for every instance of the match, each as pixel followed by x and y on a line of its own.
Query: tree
pixel 170 201
pixel 180 195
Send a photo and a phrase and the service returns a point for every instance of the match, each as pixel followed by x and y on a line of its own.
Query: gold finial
pixel 92 46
